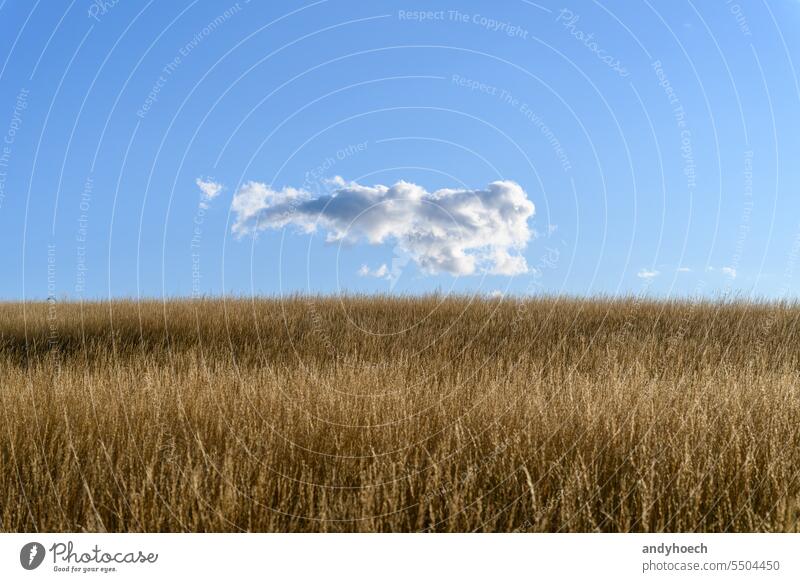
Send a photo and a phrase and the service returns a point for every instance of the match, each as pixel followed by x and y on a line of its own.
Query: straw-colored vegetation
pixel 381 414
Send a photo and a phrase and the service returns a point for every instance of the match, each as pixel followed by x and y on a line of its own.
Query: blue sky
pixel 657 143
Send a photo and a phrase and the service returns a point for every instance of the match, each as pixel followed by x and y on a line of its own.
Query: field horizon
pixel 722 298
pixel 392 414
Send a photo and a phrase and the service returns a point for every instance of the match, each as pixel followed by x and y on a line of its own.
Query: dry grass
pixel 380 414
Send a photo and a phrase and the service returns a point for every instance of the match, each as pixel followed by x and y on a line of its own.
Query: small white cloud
pixel 729 272
pixel 496 294
pixel 209 188
pixel 381 272
pixel 551 229
pixel 648 274
pixel 460 232
pixel 684 270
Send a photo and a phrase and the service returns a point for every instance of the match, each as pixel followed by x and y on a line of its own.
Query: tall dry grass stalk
pixel 400 414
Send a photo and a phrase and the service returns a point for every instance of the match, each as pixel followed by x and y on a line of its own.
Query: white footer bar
pixel 350 557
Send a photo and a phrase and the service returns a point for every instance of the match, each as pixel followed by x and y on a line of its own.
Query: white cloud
pixel 506 264
pixel 684 270
pixel 727 271
pixel 460 232
pixel 647 274
pixel 381 272
pixel 209 190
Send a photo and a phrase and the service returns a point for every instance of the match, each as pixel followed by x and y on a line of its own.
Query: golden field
pixel 400 414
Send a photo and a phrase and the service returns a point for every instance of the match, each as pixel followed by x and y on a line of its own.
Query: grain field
pixel 384 414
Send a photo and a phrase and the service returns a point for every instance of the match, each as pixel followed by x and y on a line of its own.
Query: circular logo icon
pixel 31 555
